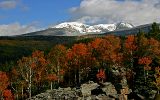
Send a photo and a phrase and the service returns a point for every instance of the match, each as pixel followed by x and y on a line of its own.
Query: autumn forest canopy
pixel 135 57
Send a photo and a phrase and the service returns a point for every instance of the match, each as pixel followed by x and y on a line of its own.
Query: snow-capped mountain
pixel 100 28
pixel 77 29
pixel 105 27
pixel 73 25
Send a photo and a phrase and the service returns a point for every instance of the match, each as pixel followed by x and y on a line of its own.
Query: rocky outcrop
pixel 87 88
pixel 58 94
pixel 109 89
pixel 87 91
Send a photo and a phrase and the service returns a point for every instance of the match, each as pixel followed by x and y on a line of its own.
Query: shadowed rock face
pixel 97 91
pixel 109 89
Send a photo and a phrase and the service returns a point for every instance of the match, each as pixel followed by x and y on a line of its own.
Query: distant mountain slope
pixel 144 28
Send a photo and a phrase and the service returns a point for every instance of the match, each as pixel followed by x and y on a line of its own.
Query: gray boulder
pixel 87 88
pixel 109 89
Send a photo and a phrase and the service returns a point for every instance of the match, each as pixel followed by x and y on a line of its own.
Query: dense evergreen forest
pixel 31 66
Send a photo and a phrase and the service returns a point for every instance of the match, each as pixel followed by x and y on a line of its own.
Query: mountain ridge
pixel 53 31
pixel 78 29
pixel 99 28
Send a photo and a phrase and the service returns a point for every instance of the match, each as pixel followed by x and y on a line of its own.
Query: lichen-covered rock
pixel 86 88
pixel 157 97
pixel 152 94
pixel 103 97
pixel 109 89
pixel 42 96
pixel 59 94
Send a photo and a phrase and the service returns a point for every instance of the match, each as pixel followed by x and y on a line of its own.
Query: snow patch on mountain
pixel 73 25
pixel 109 27
pixel 123 25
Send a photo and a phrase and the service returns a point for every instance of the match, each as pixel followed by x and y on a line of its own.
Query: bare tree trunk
pixel 1 98
pixel 69 82
pixel 144 76
pixel 17 97
pixel 132 60
pixel 30 84
pixel 58 73
pixel 75 77
pixel 147 73
pixel 22 92
pixel 51 85
pixel 79 75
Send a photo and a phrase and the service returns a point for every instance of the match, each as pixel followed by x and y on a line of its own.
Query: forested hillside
pixel 136 58
pixel 13 48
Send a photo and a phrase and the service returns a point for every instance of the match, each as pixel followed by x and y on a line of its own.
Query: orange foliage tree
pixel 77 56
pixel 129 51
pixel 157 77
pixel 154 47
pixel 4 82
pixel 101 75
pixel 112 53
pixel 7 95
pixel 25 70
pixel 130 43
pixel 146 61
pixel 51 78
pixel 130 47
pixel 107 49
pixel 94 49
pixel 31 69
pixel 57 63
pixel 39 69
pixel 17 84
pixel 106 52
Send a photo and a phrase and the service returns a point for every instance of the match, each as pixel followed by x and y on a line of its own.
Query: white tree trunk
pixel 30 83
pixel 51 85
pixel 79 73
pixel 58 73
pixel 144 76
pixel 22 91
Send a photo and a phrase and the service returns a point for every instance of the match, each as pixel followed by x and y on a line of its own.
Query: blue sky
pixel 23 16
pixel 44 12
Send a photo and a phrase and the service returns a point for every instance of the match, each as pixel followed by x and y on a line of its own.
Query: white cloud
pixel 8 4
pixel 17 29
pixel 111 11
pixel 11 4
pixel 89 19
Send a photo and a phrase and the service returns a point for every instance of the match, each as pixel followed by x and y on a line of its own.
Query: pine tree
pixel 155 31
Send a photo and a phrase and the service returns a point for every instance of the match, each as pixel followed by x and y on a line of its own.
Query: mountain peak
pixel 67 24
pixel 80 27
pixel 124 25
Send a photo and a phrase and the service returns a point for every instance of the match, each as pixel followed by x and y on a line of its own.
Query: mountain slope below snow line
pixel 77 29
pixel 143 28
